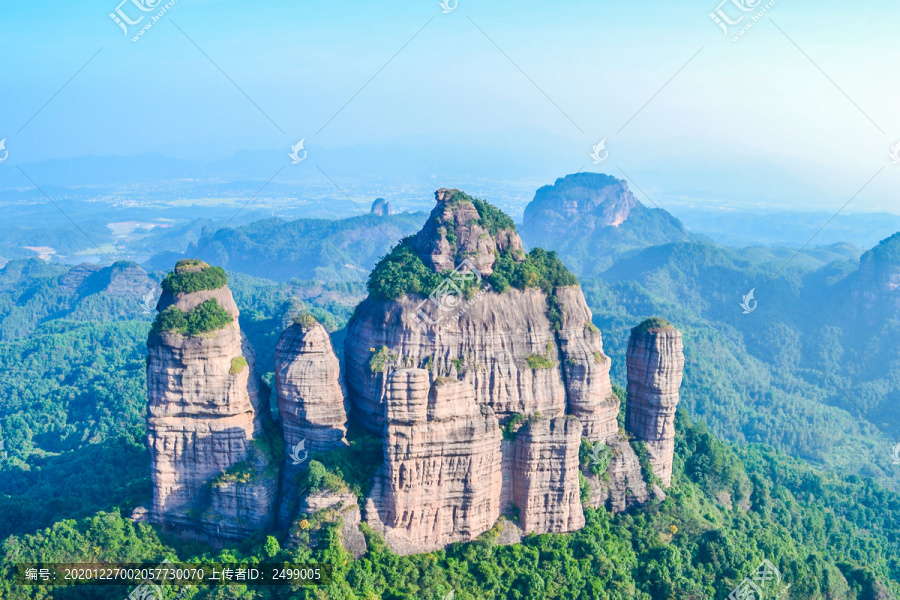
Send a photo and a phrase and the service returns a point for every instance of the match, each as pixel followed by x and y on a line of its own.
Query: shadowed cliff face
pixel 209 476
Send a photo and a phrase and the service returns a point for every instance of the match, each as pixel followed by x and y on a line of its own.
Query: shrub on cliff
pixel 652 324
pixel 205 317
pixel 401 272
pixel 540 268
pixel 194 277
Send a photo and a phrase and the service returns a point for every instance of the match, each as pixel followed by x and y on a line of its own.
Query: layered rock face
pixel 440 482
pixel 655 364
pixel 586 369
pixel 545 487
pixel 310 402
pixel 487 347
pixel 205 424
pixel 438 394
pixel 308 382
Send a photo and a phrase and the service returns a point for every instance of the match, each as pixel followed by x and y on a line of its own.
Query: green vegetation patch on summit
pixel 203 318
pixel 192 275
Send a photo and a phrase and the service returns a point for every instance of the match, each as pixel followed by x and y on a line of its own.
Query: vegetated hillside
pixel 592 219
pixel 311 249
pixel 818 347
pixel 34 292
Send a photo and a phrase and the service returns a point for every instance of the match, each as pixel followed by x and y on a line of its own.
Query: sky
pixel 800 113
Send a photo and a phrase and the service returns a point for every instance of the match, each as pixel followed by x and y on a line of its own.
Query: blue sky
pixel 752 123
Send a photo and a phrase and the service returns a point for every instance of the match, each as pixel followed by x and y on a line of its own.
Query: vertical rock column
pixel 545 481
pixel 208 453
pixel 655 363
pixel 586 369
pixel 440 482
pixel 310 402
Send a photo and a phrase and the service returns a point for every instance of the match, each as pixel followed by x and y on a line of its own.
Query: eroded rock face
pixel 545 487
pixel 461 221
pixel 437 377
pixel 586 368
pixel 308 382
pixel 655 364
pixel 205 430
pixel 875 291
pixel 488 347
pixel 310 403
pixel 440 482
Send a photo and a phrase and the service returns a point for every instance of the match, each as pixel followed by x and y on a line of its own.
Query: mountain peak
pixel 592 219
pixel 463 228
pixel 603 197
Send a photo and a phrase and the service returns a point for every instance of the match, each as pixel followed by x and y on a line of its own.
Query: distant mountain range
pixel 320 249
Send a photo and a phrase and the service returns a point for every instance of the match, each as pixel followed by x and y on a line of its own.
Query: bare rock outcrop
pixel 655 364
pixel 545 481
pixel 324 506
pixel 440 482
pixel 381 207
pixel 621 486
pixel 455 228
pixel 875 288
pixel 210 459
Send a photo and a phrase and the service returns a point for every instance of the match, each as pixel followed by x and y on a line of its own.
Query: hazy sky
pixel 801 118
